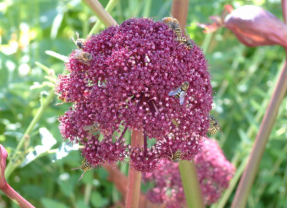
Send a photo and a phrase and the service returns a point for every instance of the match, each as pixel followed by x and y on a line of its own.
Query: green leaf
pixel 98 201
pixel 50 203
pixel 81 204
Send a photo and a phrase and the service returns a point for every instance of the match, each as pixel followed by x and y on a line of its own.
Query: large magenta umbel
pixel 133 68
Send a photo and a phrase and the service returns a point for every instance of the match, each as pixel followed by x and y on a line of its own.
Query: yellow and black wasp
pixel 176 156
pixel 180 92
pixel 213 126
pixel 84 167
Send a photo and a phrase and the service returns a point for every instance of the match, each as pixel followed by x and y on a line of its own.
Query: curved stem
pixel 5 187
pixel 12 166
pixel 134 177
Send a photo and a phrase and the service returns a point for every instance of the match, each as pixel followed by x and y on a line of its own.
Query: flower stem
pixel 249 174
pixel 5 187
pixel 260 141
pixel 145 145
pixel 179 10
pixel 109 8
pixel 122 135
pixel 190 184
pixel 134 177
pixel 11 165
pixel 101 13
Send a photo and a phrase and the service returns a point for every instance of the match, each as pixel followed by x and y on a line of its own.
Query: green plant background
pixel 242 80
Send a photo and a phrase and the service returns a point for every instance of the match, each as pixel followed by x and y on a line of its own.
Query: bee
pixel 214 126
pixel 84 167
pixel 82 56
pixel 189 44
pixel 174 25
pixel 79 42
pixel 92 129
pixel 180 92
pixel 176 156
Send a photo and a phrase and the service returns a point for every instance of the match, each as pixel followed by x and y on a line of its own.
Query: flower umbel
pixel 213 170
pixel 133 68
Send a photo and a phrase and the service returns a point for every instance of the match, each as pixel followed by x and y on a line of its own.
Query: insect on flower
pixel 82 56
pixel 176 156
pixel 214 126
pixel 84 167
pixel 79 42
pixel 174 25
pixel 92 129
pixel 180 92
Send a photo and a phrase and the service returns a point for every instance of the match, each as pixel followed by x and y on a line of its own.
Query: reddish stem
pixel 5 187
pixel 269 118
pixel 145 145
pixel 179 11
pixel 123 133
pixel 102 14
pixel 134 178
pixel 284 8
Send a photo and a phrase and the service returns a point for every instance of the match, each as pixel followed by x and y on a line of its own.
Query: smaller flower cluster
pixel 213 170
pixel 106 151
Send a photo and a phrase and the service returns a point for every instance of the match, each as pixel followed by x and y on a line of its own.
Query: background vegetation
pixel 243 81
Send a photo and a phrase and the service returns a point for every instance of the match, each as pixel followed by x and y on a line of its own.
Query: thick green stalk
pixel 109 8
pixel 134 177
pixel 11 165
pixel 190 184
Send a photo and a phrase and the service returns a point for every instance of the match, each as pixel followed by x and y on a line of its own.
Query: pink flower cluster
pixel 126 83
pixel 213 170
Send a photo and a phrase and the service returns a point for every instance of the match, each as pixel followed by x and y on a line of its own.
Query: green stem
pixel 109 8
pixel 190 184
pixel 12 166
pixel 146 11
pixel 87 195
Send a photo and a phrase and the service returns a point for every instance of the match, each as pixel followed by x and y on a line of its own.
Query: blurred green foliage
pixel 243 80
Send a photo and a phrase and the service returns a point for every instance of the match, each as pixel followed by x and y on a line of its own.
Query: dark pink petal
pixel 254 26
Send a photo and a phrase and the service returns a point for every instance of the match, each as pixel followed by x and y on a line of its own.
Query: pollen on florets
pixel 213 170
pixel 144 161
pixel 169 145
pixel 104 152
pixel 133 68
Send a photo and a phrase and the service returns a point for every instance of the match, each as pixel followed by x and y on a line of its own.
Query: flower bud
pixel 252 25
